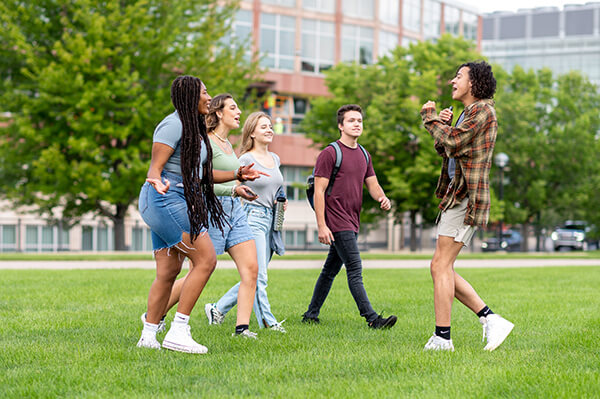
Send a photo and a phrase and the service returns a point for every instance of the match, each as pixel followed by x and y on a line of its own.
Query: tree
pixel 392 92
pixel 86 82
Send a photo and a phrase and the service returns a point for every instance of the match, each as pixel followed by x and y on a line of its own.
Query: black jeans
pixel 344 250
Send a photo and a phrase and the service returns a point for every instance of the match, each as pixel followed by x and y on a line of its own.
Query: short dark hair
pixel 483 83
pixel 346 108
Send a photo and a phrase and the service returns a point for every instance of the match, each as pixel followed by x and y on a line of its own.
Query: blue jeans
pixel 344 250
pixel 260 220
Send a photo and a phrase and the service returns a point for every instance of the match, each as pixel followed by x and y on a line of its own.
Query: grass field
pixel 73 334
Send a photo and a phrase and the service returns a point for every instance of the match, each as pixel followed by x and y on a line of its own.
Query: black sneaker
pixel 310 320
pixel 380 322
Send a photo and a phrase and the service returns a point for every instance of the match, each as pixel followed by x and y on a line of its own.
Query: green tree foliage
pixel 391 93
pixel 86 82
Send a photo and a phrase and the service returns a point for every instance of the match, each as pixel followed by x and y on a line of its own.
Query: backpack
pixel 310 181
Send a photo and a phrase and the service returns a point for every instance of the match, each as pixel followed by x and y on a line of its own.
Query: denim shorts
pixel 236 232
pixel 165 214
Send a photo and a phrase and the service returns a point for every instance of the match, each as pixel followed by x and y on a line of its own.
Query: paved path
pixel 306 264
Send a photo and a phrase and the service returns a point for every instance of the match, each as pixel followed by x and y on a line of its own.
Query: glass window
pixel 294 181
pixel 411 15
pixel 470 22
pixel 9 237
pixel 451 20
pixel 31 238
pixel 102 238
pixel 47 238
pixel 388 41
pixel 64 239
pixel 432 13
pixel 318 45
pixel 357 44
pixel 358 8
pixel 388 12
pixel 87 238
pixel 285 3
pixel 148 239
pixel 137 239
pixel 324 6
pixel 277 40
pixel 240 33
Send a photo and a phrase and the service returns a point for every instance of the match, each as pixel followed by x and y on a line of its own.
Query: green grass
pixel 73 334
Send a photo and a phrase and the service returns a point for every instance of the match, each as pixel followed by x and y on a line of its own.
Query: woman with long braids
pixel 236 238
pixel 257 134
pixel 177 202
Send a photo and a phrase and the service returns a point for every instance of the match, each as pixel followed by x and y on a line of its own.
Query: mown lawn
pixel 73 334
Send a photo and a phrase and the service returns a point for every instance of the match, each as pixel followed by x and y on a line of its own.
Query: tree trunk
pixel 119 228
pixel 413 231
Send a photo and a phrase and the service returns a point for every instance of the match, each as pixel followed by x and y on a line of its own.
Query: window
pixel 432 13
pixel 241 31
pixel 102 233
pixel 358 8
pixel 87 238
pixel 407 41
pixel 324 6
pixel 47 238
pixel 137 239
pixel 277 41
pixel 31 238
pixel 357 44
pixel 451 20
pixel 285 3
pixel 8 239
pixel 64 239
pixel 289 112
pixel 388 41
pixel 295 238
pixel 388 12
pixel 470 22
pixel 318 45
pixel 294 181
pixel 411 15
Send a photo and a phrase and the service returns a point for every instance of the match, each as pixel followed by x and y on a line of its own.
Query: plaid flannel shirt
pixel 471 144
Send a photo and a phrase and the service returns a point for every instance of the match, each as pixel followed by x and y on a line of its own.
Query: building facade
pixel 298 40
pixel 560 39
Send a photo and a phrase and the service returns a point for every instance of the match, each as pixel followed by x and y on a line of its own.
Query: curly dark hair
pixel 198 191
pixel 483 83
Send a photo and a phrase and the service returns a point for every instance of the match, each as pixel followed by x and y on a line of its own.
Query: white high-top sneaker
pixel 212 314
pixel 436 343
pixel 495 330
pixel 179 338
pixel 148 340
pixel 161 324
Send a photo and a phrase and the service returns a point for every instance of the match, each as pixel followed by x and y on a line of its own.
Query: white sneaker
pixel 436 343
pixel 213 314
pixel 148 340
pixel 161 324
pixel 246 334
pixel 278 327
pixel 495 329
pixel 179 339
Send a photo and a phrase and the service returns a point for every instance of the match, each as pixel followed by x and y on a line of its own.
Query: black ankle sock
pixel 240 329
pixel 484 312
pixel 442 332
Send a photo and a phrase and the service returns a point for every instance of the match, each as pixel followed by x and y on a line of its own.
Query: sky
pixel 485 6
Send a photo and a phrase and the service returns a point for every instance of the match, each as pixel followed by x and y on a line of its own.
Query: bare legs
pixel 168 265
pixel 447 284
pixel 244 256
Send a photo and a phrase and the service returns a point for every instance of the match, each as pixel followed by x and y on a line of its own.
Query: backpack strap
pixel 365 153
pixel 336 167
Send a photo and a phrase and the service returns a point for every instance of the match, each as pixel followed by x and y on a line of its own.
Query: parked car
pixel 572 235
pixel 511 242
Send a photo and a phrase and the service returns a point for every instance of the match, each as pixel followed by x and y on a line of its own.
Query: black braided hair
pixel 198 190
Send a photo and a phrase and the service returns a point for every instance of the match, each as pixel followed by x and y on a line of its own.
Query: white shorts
pixel 452 224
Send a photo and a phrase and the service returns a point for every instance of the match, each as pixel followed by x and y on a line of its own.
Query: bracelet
pixel 238 175
pixel 233 193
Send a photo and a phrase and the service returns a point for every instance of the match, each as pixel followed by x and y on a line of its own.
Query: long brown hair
pixel 248 129
pixel 216 104
pixel 198 190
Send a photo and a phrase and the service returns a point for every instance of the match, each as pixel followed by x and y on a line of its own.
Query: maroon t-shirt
pixel 342 207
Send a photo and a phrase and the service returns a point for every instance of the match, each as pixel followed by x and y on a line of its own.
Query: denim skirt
pixel 236 229
pixel 165 214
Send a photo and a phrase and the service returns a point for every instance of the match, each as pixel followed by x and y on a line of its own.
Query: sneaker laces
pixel 217 315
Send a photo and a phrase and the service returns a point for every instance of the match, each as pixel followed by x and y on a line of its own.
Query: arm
pixel 377 193
pixel 242 174
pixel 456 140
pixel 325 235
pixel 160 155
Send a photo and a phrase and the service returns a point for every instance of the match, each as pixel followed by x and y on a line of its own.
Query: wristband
pixel 238 175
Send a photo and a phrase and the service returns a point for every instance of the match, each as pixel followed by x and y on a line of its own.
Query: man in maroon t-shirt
pixel 338 216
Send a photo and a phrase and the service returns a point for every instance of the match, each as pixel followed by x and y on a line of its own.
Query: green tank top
pixel 222 161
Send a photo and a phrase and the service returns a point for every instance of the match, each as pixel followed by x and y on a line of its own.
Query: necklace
pixel 221 138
